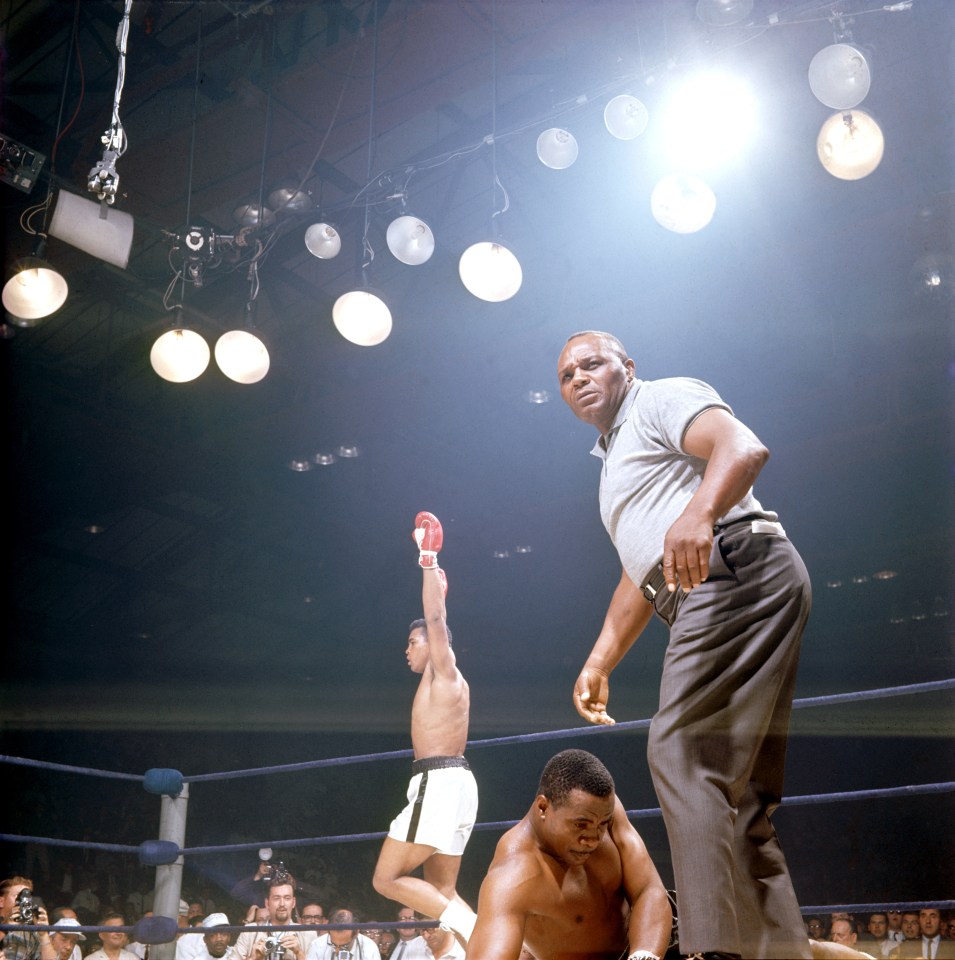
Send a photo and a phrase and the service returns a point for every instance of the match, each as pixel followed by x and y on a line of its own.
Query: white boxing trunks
pixel 442 805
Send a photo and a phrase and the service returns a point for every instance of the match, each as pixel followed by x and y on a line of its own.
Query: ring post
pixel 168 891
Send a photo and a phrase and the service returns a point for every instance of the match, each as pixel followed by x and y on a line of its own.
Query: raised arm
pixel 627 616
pixel 429 536
pixel 650 916
pixel 734 457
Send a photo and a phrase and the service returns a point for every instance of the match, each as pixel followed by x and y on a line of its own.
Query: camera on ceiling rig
pixel 27 907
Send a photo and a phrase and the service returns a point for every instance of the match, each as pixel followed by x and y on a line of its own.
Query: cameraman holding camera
pixel 283 944
pixel 18 906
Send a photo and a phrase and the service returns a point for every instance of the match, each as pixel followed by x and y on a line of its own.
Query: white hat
pixel 70 922
pixel 216 920
pixel 183 908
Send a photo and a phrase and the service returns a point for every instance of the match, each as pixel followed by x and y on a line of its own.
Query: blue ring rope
pixel 830 699
pixel 918 789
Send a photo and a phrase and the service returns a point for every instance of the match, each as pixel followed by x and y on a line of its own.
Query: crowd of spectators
pixel 271 895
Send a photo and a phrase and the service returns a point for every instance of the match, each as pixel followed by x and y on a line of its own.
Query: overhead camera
pixel 26 906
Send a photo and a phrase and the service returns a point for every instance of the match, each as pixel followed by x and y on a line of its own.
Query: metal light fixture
pixel 682 204
pixel 323 241
pixel 180 354
pixel 95 228
pixel 490 271
pixel 723 13
pixel 625 117
pixel 410 240
pixel 557 148
pixel 839 76
pixel 362 318
pixel 242 356
pixel 850 145
pixel 35 291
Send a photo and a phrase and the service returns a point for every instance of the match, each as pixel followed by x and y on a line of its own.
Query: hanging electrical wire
pixel 103 178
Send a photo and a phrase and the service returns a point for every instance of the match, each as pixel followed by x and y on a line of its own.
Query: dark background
pixel 233 613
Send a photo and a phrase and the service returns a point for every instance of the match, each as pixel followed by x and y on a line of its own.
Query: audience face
pixel 217 942
pixel 386 943
pixel 116 940
pixel 878 925
pixel 406 933
pixel 816 928
pixel 195 910
pixel 910 926
pixel 929 922
pixel 63 943
pixel 842 932
pixel 342 937
pixel 895 919
pixel 312 913
pixel 438 940
pixel 280 903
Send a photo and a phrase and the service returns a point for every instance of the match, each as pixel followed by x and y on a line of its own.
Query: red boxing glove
pixel 429 536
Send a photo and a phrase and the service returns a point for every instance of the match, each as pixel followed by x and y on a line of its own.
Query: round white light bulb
pixel 682 204
pixel 34 291
pixel 557 148
pixel 179 355
pixel 626 117
pixel 850 145
pixel 242 356
pixel 490 271
pixel 362 318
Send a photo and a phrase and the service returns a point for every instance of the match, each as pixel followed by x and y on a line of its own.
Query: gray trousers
pixel 717 747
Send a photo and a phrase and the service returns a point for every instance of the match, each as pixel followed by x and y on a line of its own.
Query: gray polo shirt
pixel 647 479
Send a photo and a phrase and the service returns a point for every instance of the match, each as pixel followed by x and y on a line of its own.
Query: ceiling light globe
pixel 323 241
pixel 242 356
pixel 850 145
pixel 839 76
pixel 287 198
pixel 490 271
pixel 35 291
pixel 362 318
pixel 179 355
pixel 253 215
pixel 723 13
pixel 557 148
pixel 626 117
pixel 410 240
pixel 682 204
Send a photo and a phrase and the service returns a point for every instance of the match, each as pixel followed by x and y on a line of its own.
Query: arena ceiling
pixel 224 591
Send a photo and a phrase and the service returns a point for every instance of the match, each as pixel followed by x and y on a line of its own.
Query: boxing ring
pixel 167 853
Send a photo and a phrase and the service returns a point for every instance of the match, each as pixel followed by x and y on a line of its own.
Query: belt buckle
pixel 768 526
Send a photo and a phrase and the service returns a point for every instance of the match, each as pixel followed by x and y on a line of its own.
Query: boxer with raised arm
pixel 432 830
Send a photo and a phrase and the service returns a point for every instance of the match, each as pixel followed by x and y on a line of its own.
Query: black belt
pixel 654 586
pixel 437 763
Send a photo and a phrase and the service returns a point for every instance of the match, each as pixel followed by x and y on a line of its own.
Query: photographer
pixel 253 890
pixel 343 944
pixel 18 906
pixel 283 944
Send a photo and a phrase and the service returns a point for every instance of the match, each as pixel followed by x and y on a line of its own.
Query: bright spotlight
pixel 708 121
